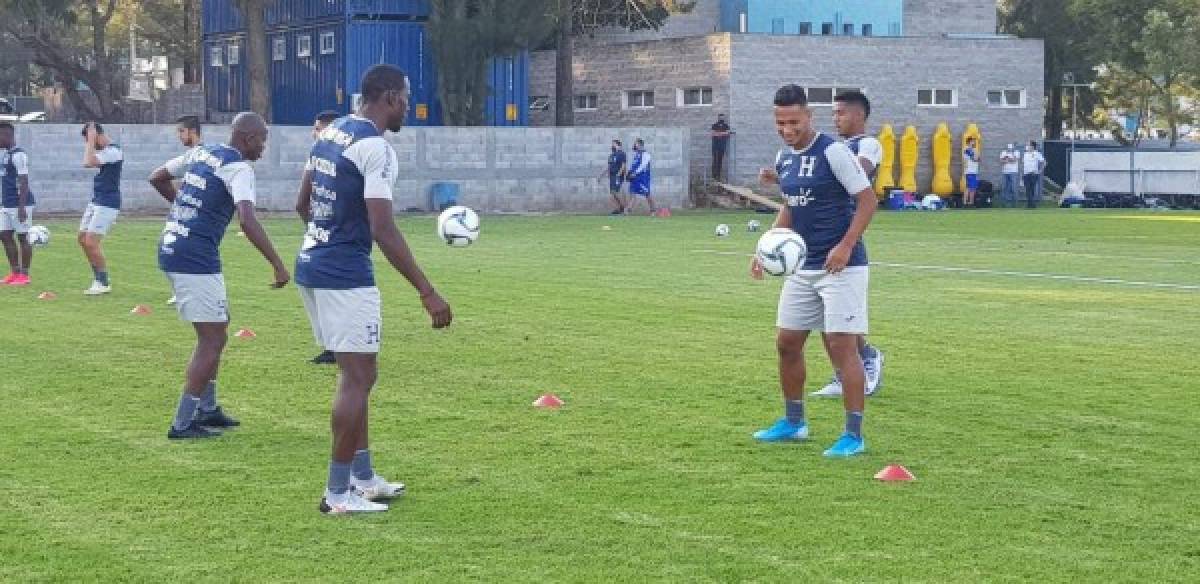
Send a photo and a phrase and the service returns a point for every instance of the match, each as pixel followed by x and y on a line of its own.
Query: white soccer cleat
pixel 874 367
pixel 831 389
pixel 97 289
pixel 171 301
pixel 347 504
pixel 376 488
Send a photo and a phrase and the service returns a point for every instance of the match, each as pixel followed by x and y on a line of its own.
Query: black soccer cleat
pixel 215 419
pixel 193 431
pixel 325 358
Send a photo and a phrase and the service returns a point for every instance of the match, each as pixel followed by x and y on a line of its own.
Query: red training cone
pixel 664 212
pixel 895 472
pixel 548 401
pixel 140 309
pixel 245 333
pixel 47 295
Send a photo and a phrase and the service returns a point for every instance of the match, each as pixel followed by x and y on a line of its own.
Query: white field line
pixel 1012 273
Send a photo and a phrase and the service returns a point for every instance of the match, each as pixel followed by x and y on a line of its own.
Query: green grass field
pixel 1051 423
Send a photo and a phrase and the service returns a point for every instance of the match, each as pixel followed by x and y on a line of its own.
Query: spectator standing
pixel 617 169
pixel 1033 164
pixel 1010 160
pixel 720 145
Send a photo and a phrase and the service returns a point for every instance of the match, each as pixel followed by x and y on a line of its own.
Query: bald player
pixel 218 182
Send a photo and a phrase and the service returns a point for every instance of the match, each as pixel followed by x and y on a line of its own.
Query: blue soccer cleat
pixel 783 431
pixel 847 446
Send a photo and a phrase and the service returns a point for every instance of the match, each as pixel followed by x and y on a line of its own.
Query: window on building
pixel 539 103
pixel 216 57
pixel 826 28
pixel 934 97
pixel 695 97
pixel 328 43
pixel 639 99
pixel 586 102
pixel 776 26
pixel 867 30
pixel 848 29
pixel 819 95
pixel 279 49
pixel 304 46
pixel 804 28
pixel 234 54
pixel 1006 98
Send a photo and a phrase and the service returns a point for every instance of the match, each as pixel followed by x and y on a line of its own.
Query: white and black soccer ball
pixel 38 236
pixel 722 230
pixel 781 251
pixel 458 226
pixel 753 226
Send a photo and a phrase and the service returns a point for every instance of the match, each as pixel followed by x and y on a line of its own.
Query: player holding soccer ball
pixel 352 168
pixel 822 181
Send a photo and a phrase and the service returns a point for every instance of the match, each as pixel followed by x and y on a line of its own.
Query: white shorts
pixel 200 297
pixel 817 301
pixel 98 219
pixel 9 222
pixel 345 321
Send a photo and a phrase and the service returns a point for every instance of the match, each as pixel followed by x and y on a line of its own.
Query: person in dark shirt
pixel 720 145
pixel 617 169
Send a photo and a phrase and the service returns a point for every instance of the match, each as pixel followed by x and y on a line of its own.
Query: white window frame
pixel 681 97
pixel 933 97
pixel 233 54
pixel 216 56
pixel 1021 104
pixel 304 46
pixel 594 99
pixel 626 102
pixel 279 49
pixel 328 43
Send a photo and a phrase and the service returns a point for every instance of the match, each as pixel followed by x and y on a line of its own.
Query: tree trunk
pixel 1171 113
pixel 564 69
pixel 256 56
pixel 191 73
pixel 101 81
pixel 1054 113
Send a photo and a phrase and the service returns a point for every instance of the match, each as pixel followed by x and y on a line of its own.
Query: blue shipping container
pixel 225 85
pixel 307 73
pixel 220 16
pixel 403 44
pixel 508 80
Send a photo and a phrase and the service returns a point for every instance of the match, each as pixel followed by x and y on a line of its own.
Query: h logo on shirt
pixel 808 164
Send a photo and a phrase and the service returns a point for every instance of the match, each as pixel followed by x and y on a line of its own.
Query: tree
pixel 254 11
pixel 69 39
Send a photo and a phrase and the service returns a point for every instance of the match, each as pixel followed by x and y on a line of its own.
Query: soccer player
pixel 16 211
pixel 851 110
pixel 217 183
pixel 352 168
pixel 830 204
pixel 304 208
pixel 971 169
pixel 616 176
pixel 101 213
pixel 639 177
pixel 187 129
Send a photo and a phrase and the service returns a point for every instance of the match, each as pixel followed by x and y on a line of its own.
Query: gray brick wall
pixel 705 18
pixel 938 17
pixel 887 70
pixel 499 169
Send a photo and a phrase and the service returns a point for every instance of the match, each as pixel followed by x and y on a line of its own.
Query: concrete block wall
pixel 939 17
pixel 884 69
pixel 705 18
pixel 499 169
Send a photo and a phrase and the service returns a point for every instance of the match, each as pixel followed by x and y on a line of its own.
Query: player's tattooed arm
pixel 395 249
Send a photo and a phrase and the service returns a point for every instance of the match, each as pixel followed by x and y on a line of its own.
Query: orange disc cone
pixel 47 295
pixel 895 472
pixel 245 333
pixel 140 309
pixel 548 401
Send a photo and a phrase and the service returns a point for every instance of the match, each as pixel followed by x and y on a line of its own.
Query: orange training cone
pixel 549 401
pixel 245 333
pixel 895 472
pixel 47 295
pixel 140 309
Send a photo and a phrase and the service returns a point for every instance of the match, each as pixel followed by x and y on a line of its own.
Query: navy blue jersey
pixel 820 183
pixel 616 161
pixel 350 162
pixel 216 180
pixel 106 186
pixel 15 163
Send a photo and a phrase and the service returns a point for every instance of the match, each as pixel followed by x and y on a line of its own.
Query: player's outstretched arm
pixel 90 160
pixel 163 182
pixel 258 236
pixel 304 198
pixel 395 249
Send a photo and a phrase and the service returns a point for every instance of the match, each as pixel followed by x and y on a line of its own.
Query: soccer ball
pixel 458 226
pixel 781 251
pixel 38 236
pixel 753 226
pixel 722 230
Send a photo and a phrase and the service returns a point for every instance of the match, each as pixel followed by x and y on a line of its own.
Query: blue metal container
pixel 508 99
pixel 218 16
pixel 225 84
pixel 296 12
pixel 307 72
pixel 403 44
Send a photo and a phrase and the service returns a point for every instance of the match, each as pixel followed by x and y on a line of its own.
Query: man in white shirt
pixel 1011 161
pixel 1033 165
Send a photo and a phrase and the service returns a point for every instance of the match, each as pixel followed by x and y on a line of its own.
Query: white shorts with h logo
pixel 345 321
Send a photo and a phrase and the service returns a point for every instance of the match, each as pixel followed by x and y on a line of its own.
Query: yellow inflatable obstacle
pixel 943 185
pixel 972 132
pixel 910 150
pixel 885 179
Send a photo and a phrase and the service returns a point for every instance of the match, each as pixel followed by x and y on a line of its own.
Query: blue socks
pixel 793 410
pixel 101 276
pixel 361 465
pixel 185 412
pixel 854 424
pixel 339 478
